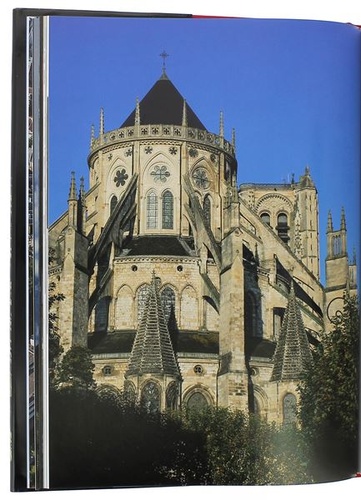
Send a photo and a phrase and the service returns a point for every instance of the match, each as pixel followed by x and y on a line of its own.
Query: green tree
pixel 329 397
pixel 55 348
pixel 54 298
pixel 244 449
pixel 76 369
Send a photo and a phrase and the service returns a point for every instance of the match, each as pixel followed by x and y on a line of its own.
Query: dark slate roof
pixel 260 348
pixel 157 245
pixel 163 104
pixel 121 341
pixel 152 351
pixel 293 352
pixel 299 291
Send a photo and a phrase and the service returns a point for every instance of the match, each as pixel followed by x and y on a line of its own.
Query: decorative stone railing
pixel 177 132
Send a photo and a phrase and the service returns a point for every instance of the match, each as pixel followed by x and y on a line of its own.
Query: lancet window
pixel 167 210
pixel 152 210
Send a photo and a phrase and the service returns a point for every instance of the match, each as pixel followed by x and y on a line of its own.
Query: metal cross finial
pixel 164 55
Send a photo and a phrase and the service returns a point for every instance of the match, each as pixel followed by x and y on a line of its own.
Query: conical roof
pixel 163 104
pixel 292 354
pixel 152 351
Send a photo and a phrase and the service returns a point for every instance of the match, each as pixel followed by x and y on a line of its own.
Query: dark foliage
pixel 100 442
pixel 329 399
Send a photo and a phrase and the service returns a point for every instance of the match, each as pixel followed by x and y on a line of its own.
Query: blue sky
pixel 290 89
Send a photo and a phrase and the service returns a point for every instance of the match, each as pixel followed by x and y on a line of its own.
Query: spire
pixel 92 135
pixel 152 351
pixel 293 352
pixel 234 138
pixel 81 189
pixel 221 124
pixel 137 113
pixel 343 219
pixel 329 222
pixel 81 207
pixel 184 115
pixel 73 203
pixel 72 191
pixel 101 126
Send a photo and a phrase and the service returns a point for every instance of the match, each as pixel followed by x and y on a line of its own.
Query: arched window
pixel 282 227
pixel 289 408
pixel 207 209
pixel 167 210
pixel 171 396
pixel 336 245
pixel 150 397
pixel 197 401
pixel 278 313
pixel 141 299
pixel 129 390
pixel 113 203
pixel 152 210
pixel 266 218
pixel 101 314
pixel 167 298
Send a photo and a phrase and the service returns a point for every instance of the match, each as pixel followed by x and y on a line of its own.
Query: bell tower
pixel 340 274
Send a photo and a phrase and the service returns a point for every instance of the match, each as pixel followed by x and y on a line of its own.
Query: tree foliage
pixel 98 441
pixel 54 298
pixel 329 397
pixel 76 368
pixel 244 449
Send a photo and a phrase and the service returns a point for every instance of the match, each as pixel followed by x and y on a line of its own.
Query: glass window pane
pixel 152 211
pixel 167 215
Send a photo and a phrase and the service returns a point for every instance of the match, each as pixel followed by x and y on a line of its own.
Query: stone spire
pixel 234 138
pixel 101 122
pixel 72 191
pixel 221 124
pixel 73 203
pixel 152 351
pixel 343 219
pixel 137 113
pixel 92 135
pixel 293 352
pixel 184 114
pixel 82 189
pixel 329 222
pixel 81 207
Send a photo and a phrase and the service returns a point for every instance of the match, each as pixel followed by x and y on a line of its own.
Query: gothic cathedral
pixel 188 289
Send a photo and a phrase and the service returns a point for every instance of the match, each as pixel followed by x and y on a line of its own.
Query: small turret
pixel 72 203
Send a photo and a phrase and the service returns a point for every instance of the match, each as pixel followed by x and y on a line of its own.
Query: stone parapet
pixel 175 132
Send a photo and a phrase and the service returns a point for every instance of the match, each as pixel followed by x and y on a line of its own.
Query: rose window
pixel 200 178
pixel 160 173
pixel 120 177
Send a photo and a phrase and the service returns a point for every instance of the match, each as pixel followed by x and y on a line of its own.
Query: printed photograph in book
pixel 203 211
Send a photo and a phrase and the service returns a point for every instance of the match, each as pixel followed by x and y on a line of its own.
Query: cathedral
pixel 189 289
